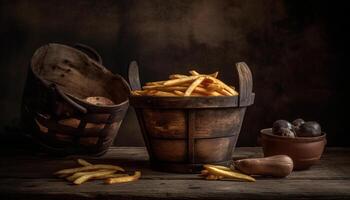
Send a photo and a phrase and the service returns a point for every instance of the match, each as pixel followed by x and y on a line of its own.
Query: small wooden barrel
pixel 183 133
pixel 59 109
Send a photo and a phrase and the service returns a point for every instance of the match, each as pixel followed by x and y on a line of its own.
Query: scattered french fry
pixel 227 173
pixel 110 176
pixel 218 167
pixel 86 177
pixel 179 81
pixel 89 168
pixel 77 175
pixel 125 179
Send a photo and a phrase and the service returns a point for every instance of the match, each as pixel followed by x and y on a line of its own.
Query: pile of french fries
pixel 87 171
pixel 218 172
pixel 195 84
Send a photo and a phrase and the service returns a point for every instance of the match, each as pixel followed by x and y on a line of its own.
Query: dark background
pixel 295 49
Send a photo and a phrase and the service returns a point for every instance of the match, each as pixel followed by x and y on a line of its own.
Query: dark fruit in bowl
pixel 286 133
pixel 298 122
pixel 279 124
pixel 305 151
pixel 309 129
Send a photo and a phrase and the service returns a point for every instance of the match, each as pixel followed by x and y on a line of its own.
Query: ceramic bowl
pixel 305 151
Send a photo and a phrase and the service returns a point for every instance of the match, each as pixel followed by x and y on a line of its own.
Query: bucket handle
pixel 246 96
pixel 134 78
pixel 92 53
pixel 68 99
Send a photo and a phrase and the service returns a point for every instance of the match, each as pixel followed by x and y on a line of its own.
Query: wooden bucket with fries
pixel 190 120
pixel 71 103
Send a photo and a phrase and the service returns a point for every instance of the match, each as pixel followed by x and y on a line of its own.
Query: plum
pixel 309 129
pixel 279 124
pixel 287 132
pixel 298 122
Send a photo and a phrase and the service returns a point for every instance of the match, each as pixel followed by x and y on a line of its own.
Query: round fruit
pixel 287 133
pixel 298 122
pixel 309 129
pixel 277 125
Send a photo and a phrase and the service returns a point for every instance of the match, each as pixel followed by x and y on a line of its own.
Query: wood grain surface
pixel 30 177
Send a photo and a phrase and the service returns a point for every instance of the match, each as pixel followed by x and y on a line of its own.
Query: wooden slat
pixel 245 84
pixel 191 132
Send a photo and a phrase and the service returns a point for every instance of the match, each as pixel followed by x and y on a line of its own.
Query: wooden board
pixel 30 177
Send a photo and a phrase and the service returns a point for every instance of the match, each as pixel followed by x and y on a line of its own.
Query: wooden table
pixel 30 177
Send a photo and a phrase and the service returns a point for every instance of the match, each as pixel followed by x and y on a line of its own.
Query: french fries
pixel 86 177
pixel 193 86
pixel 178 92
pixel 180 85
pixel 90 171
pixel 218 172
pixel 179 81
pixel 89 168
pixel 111 176
pixel 125 179
pixel 218 167
pixel 226 87
pixel 77 175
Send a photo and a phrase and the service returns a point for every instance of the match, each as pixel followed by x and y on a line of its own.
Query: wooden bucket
pixel 55 112
pixel 183 133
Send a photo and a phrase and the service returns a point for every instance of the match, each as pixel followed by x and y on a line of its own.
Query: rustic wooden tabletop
pixel 30 177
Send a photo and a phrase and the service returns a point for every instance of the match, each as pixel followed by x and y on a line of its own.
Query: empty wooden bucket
pixel 59 109
pixel 183 133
